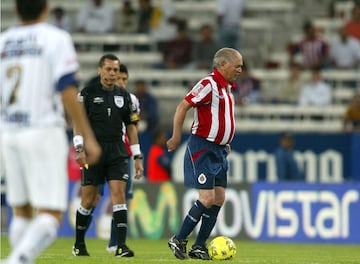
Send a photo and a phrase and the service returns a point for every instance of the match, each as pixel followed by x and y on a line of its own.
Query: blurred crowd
pixel 308 56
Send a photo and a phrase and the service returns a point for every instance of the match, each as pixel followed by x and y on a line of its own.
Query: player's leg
pixel 98 196
pixel 199 250
pixel 112 245
pixel 83 218
pixel 195 163
pixel 209 217
pixel 117 192
pixel 37 146
pixel 91 178
pixel 117 178
pixel 16 194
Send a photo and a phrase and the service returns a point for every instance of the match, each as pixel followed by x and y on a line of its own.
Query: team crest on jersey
pixel 119 101
pixel 202 178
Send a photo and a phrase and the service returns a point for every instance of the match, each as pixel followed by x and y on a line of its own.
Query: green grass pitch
pixel 157 251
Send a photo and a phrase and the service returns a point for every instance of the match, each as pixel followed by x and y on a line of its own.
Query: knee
pixel 88 201
pixel 207 200
pixel 25 211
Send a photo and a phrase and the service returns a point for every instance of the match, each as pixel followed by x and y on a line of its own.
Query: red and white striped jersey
pixel 213 105
pixel 312 50
pixel 136 107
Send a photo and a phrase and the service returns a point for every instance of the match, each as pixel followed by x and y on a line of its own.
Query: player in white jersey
pixel 38 66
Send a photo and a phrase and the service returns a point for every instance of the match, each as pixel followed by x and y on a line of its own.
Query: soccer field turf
pixel 157 251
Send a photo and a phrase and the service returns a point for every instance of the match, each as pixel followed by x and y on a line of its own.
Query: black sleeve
pixel 83 97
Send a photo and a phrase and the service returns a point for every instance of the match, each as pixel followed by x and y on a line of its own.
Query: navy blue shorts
pixel 205 164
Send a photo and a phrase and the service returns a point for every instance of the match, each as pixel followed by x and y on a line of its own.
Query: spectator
pixel 229 16
pixel 205 48
pixel 158 162
pixel 95 17
pixel 344 51
pixel 312 50
pixel 164 22
pixel 353 26
pixel 289 89
pixel 351 119
pixel 247 88
pixel 177 53
pixel 60 19
pixel 148 103
pixel 286 166
pixel 145 14
pixel 316 91
pixel 128 18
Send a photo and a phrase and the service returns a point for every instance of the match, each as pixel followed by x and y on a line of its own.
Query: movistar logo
pixel 153 221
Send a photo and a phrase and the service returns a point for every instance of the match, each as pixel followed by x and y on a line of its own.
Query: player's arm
pixel 178 123
pixel 81 123
pixel 132 134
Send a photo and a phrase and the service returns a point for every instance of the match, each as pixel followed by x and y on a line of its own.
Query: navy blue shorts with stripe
pixel 205 164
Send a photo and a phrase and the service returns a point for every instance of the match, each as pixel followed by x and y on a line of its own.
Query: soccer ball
pixel 222 248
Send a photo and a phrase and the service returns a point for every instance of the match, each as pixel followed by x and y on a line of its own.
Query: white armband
pixel 135 149
pixel 78 142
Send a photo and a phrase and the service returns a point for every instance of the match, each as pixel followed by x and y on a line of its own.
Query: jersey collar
pixel 220 79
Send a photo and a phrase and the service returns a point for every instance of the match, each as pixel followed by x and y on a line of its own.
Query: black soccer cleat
pixel 79 250
pixel 199 252
pixel 124 252
pixel 178 247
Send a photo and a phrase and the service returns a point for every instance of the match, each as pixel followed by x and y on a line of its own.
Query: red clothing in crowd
pixel 74 170
pixel 155 171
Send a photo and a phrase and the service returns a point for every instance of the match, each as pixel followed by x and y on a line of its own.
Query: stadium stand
pixel 267 27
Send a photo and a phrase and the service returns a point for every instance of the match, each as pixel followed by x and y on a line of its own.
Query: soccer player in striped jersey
pixel 205 163
pixel 38 66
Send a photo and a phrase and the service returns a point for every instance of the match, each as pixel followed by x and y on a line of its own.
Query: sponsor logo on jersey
pixel 202 178
pixel 119 101
pixel 98 100
pixel 197 89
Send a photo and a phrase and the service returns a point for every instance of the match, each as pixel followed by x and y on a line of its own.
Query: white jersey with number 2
pixel 38 61
pixel 27 97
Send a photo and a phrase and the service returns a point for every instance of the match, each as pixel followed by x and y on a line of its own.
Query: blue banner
pixel 324 158
pixel 294 212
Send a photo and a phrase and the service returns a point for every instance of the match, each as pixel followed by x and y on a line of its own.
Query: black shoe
pixel 199 252
pixel 178 247
pixel 124 252
pixel 80 250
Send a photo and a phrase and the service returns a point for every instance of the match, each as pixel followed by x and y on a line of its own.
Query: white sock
pixel 17 229
pixel 41 233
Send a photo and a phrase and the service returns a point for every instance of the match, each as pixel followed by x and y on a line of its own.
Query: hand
pixel 228 148
pixel 92 151
pixel 80 157
pixel 139 169
pixel 172 144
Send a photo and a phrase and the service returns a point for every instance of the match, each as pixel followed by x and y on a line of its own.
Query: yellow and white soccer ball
pixel 222 248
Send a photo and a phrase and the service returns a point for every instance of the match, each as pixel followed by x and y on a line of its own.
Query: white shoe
pixel 112 249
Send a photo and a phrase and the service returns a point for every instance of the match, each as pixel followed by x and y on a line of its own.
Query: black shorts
pixel 113 165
